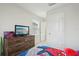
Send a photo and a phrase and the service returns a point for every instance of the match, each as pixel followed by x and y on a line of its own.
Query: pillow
pixel 55 52
pixel 70 52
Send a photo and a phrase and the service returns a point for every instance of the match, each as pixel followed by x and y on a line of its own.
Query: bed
pixel 49 51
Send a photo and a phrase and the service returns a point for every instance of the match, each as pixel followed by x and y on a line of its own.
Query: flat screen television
pixel 21 30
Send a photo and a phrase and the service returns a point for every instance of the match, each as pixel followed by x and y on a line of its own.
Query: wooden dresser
pixel 14 45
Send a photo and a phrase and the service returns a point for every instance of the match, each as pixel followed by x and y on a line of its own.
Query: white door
pixel 55 30
pixel 36 32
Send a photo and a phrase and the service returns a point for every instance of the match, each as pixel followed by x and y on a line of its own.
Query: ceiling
pixel 39 9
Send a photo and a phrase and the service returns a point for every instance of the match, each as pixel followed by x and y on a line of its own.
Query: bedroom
pixel 54 25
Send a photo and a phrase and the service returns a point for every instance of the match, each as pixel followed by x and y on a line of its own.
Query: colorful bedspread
pixel 48 51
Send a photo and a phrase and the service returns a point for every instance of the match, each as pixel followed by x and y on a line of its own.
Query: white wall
pixel 71 24
pixel 11 14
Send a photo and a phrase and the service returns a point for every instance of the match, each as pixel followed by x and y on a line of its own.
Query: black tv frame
pixel 21 34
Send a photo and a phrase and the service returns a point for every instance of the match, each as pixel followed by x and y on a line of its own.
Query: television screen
pixel 21 30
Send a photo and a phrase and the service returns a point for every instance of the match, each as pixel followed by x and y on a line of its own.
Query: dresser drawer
pixel 15 49
pixel 17 44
